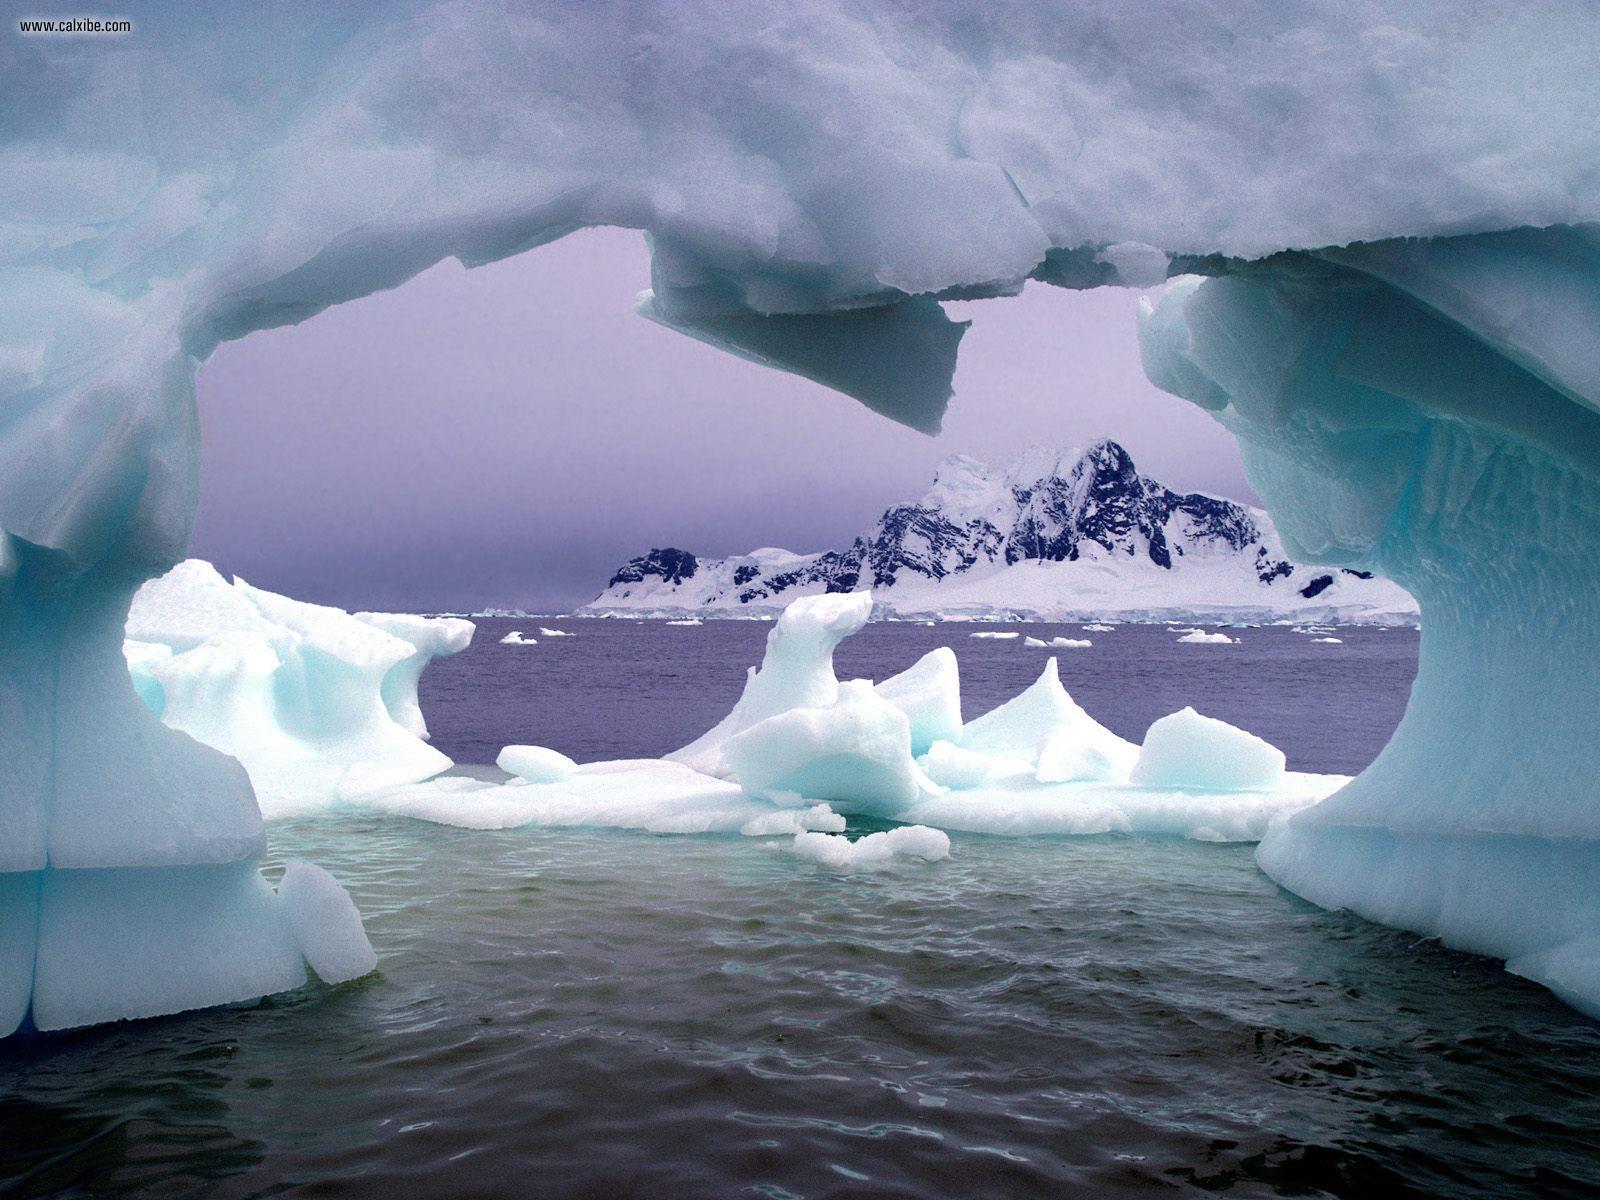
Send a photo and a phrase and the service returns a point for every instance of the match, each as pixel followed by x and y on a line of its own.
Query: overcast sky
pixel 512 434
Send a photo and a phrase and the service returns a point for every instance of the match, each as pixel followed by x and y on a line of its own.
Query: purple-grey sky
pixel 510 435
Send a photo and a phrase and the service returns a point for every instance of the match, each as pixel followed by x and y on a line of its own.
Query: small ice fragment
pixel 999 637
pixel 1329 641
pixel 515 638
pixel 325 923
pixel 875 850
pixel 1187 750
pixel 536 764
pixel 819 817
pixel 546 632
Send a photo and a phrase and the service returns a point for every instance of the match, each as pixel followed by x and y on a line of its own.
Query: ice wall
pixel 1428 411
pixel 815 177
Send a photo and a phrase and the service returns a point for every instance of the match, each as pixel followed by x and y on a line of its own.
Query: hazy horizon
pixel 509 436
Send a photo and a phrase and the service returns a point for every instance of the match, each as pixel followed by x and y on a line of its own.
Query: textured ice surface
pixel 1187 750
pixel 819 817
pixel 317 704
pixel 1414 383
pixel 535 764
pixel 929 693
pixel 796 672
pixel 874 851
pixel 950 766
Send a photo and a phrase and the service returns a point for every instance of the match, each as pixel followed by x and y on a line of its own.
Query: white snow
pixel 535 764
pixel 875 851
pixel 1187 750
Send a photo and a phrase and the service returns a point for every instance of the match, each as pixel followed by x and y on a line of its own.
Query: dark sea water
pixel 602 1014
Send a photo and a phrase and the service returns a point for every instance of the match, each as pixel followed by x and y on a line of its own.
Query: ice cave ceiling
pixel 1392 201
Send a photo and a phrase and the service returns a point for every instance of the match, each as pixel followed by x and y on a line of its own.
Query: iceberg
pixel 1057 643
pixel 1397 324
pixel 1199 637
pixel 320 706
pixel 517 638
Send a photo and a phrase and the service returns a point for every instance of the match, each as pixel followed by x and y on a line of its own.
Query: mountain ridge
pixel 1052 536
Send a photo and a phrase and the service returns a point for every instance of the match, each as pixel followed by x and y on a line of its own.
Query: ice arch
pixel 815 177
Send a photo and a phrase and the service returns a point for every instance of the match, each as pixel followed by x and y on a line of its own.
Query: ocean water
pixel 600 1014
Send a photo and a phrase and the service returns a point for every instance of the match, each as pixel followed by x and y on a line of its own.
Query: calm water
pixel 605 1014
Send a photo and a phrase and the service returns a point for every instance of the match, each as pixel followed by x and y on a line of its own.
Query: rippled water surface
pixel 604 1014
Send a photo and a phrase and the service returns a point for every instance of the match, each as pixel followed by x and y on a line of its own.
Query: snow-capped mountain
pixel 1071 536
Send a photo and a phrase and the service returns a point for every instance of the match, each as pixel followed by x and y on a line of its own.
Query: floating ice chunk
pixel 690 621
pixel 1199 637
pixel 544 631
pixel 929 693
pixel 1035 643
pixel 1187 750
pixel 1329 641
pixel 430 638
pixel 999 637
pixel 950 766
pixel 819 817
pixel 795 672
pixel 1065 757
pixel 325 924
pixel 855 753
pixel 517 638
pixel 535 764
pixel 1099 628
pixel 875 850
pixel 1058 643
pixel 1017 729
